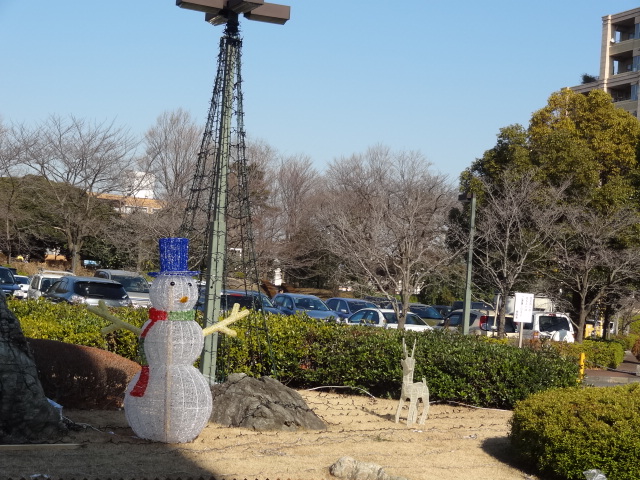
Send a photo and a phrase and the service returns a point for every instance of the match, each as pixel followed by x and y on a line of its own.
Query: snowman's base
pixel 175 407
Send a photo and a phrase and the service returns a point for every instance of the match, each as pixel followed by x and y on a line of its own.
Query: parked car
pixel 444 310
pixel 411 322
pixel 426 312
pixel 487 307
pixel 553 325
pixel 490 325
pixel 135 284
pixel 89 291
pixel 291 303
pixel 347 306
pixel 477 321
pixel 23 283
pixel 41 281
pixel 246 299
pixel 379 302
pixel 8 282
pixel 386 318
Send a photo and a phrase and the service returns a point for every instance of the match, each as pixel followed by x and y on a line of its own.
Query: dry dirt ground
pixel 456 443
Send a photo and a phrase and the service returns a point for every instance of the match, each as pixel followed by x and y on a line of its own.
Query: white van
pixel 540 303
pixel 553 325
pixel 42 280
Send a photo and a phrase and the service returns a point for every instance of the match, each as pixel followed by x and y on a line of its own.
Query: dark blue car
pixel 246 299
pixel 8 282
pixel 290 303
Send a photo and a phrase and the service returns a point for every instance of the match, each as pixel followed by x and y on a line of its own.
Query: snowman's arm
pixel 221 326
pixel 116 323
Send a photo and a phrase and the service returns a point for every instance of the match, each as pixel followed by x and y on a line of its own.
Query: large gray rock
pixel 347 468
pixel 261 404
pixel 26 416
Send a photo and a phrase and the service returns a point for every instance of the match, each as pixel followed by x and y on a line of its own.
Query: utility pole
pixel 466 312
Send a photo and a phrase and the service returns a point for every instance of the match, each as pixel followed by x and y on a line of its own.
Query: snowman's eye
pixel 190 284
pixel 173 284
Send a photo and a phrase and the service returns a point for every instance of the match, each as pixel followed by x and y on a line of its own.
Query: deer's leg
pixel 425 401
pixel 413 410
pixel 400 405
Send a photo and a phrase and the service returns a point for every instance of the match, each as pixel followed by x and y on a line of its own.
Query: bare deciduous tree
pixel 79 161
pixel 172 146
pixel 628 306
pixel 9 193
pixel 592 256
pixel 294 183
pixel 262 160
pixel 384 216
pixel 510 242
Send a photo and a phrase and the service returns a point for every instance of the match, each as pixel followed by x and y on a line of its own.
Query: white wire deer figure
pixel 412 391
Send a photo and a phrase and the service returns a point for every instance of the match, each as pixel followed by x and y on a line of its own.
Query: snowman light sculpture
pixel 170 400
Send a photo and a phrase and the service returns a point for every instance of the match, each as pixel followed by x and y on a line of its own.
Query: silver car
pixel 88 291
pixel 135 284
pixel 41 282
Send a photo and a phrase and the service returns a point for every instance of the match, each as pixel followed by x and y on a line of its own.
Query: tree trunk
pixel 26 416
pixel 582 322
pixel 74 250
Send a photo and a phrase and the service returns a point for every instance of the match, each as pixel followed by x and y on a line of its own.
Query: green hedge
pixel 310 353
pixel 598 353
pixel 627 341
pixel 566 432
pixel 75 324
pixel 467 369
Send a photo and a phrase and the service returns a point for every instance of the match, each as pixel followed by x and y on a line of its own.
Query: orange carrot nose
pixel 184 299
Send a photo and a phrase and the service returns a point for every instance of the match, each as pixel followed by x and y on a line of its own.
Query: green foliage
pixel 627 341
pixel 310 353
pixel 634 327
pixel 493 374
pixel 75 324
pixel 567 431
pixel 474 370
pixel 598 353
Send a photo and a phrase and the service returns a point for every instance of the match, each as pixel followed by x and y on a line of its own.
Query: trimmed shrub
pixel 310 353
pixel 568 431
pixel 627 341
pixel 469 369
pixel 598 353
pixel 634 327
pixel 75 324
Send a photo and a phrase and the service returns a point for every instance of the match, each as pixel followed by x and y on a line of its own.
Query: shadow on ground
pixel 500 448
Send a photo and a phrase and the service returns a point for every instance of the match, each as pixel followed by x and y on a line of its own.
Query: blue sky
pixel 340 76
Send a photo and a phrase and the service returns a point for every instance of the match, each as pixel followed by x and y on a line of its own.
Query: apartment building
pixel 619 60
pixel 130 204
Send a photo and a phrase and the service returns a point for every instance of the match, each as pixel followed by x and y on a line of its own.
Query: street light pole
pixel 220 12
pixel 466 312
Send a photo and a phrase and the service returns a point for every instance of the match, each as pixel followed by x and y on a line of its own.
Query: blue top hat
pixel 174 253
